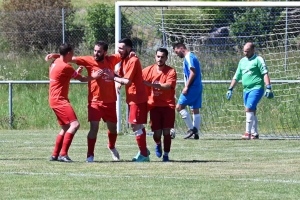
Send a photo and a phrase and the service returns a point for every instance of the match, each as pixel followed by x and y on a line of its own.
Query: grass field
pixel 203 169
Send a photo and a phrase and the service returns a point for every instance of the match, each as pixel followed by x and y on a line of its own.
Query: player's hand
pixel 110 74
pixel 118 87
pixel 80 69
pixel 51 55
pixel 185 90
pixel 229 93
pixel 97 74
pixel 269 94
pixel 132 54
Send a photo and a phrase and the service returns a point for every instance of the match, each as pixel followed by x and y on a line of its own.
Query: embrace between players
pixel 150 89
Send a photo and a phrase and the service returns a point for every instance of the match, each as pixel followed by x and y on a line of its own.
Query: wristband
pixel 268 87
pixel 230 88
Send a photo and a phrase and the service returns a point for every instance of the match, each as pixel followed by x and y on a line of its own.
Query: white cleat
pixel 115 154
pixel 90 159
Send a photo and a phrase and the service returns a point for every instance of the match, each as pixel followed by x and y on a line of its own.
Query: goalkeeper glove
pixel 269 94
pixel 229 93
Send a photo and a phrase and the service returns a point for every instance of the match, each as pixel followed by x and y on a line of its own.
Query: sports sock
pixel 185 115
pixel 58 145
pixel 249 121
pixel 157 140
pixel 167 142
pixel 91 146
pixel 166 153
pixel 197 121
pixel 140 137
pixel 112 138
pixel 66 143
pixel 254 128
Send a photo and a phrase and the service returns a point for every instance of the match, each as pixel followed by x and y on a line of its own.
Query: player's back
pixel 60 74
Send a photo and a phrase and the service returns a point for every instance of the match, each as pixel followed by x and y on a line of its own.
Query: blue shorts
pixel 251 98
pixel 192 99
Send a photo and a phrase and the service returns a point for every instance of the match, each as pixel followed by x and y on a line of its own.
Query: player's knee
pixel 183 113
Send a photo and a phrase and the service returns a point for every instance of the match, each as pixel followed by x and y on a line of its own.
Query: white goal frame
pixel 119 4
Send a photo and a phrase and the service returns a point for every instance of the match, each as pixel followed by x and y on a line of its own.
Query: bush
pixel 34 24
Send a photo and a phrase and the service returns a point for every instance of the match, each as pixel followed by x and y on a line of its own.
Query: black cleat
pixel 64 159
pixel 196 136
pixel 53 158
pixel 191 132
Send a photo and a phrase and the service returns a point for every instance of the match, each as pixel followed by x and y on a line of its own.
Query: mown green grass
pixel 203 169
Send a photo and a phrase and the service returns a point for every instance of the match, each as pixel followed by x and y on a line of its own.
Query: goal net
pixel 216 32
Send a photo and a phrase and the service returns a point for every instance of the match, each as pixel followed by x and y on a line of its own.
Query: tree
pixel 34 24
pixel 101 24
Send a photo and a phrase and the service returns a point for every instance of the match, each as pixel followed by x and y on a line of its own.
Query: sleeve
pixel 172 78
pixel 189 61
pixel 70 71
pixel 145 74
pixel 131 69
pixel 238 74
pixel 83 60
pixel 115 58
pixel 262 65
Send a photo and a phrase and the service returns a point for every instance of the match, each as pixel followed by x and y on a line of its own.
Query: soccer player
pixel 101 97
pixel 253 71
pixel 60 74
pixel 191 94
pixel 130 75
pixel 161 82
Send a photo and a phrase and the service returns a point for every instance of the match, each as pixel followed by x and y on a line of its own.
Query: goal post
pixel 216 33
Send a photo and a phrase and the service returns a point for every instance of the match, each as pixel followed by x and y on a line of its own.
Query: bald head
pixel 249 49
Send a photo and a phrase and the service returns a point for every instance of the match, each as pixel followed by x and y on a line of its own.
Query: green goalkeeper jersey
pixel 251 71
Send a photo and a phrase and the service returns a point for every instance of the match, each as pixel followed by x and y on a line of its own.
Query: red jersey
pixel 131 69
pixel 158 97
pixel 101 89
pixel 60 74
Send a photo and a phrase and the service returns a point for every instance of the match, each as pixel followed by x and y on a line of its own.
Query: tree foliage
pixel 101 24
pixel 34 24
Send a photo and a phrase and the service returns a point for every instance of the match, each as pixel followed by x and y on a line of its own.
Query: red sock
pixel 91 146
pixel 58 145
pixel 141 142
pixel 167 143
pixel 66 144
pixel 112 138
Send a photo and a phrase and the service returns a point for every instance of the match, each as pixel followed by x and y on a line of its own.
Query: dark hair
pixel 103 44
pixel 164 50
pixel 178 45
pixel 65 48
pixel 127 42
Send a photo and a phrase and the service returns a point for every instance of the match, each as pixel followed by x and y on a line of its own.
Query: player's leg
pixel 168 124
pixel 254 129
pixel 69 118
pixel 94 116
pixel 156 120
pixel 251 100
pixel 195 107
pixel 183 101
pixel 138 117
pixel 58 143
pixel 112 138
pixel 110 117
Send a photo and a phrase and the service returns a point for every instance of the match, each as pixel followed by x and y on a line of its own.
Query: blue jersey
pixel 191 61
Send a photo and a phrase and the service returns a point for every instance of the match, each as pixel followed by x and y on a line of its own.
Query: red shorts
pixel 162 117
pixel 138 113
pixel 105 111
pixel 65 114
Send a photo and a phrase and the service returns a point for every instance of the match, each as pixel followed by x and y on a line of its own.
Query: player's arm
pixel 190 80
pixel 234 81
pixel 94 75
pixel 162 86
pixel 56 55
pixel 112 76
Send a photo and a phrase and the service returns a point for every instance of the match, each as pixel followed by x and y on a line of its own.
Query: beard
pixel 99 58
